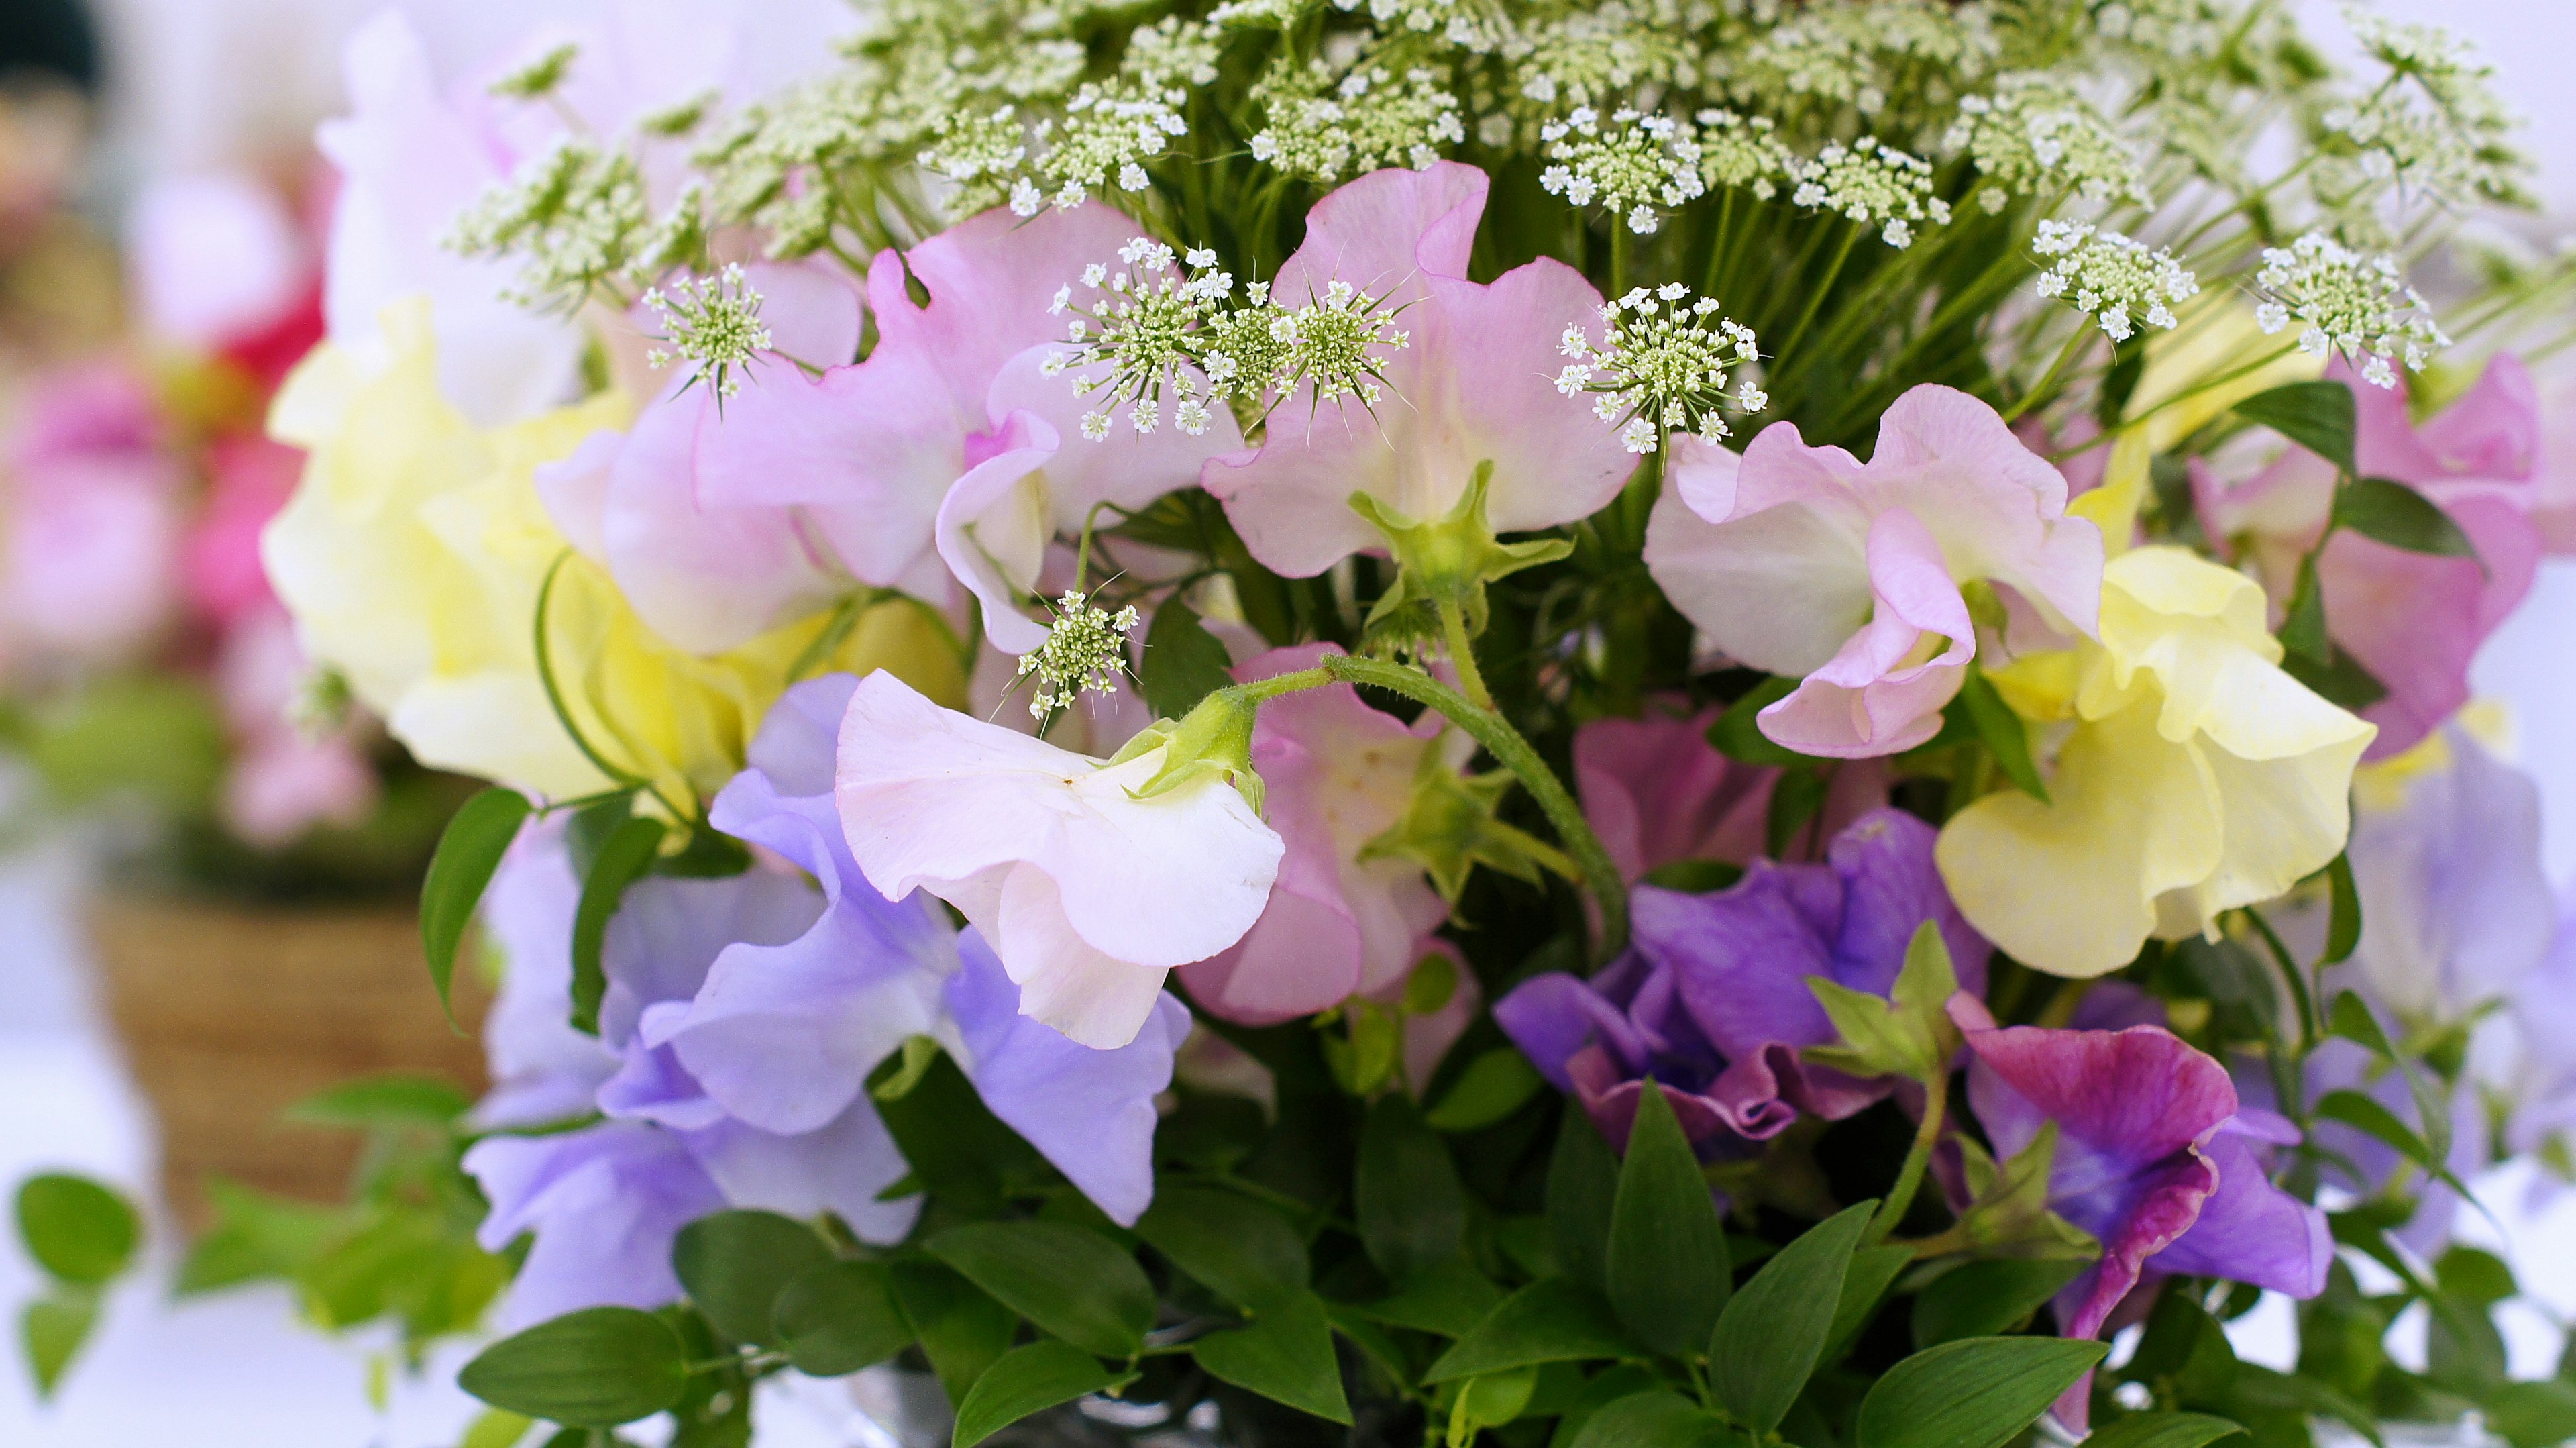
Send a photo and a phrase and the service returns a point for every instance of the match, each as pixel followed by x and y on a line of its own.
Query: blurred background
pixel 208 859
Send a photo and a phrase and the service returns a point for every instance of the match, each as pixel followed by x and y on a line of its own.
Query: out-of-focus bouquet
pixel 1597 723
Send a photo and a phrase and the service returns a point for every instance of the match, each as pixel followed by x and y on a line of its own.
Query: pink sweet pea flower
pixel 1087 892
pixel 947 445
pixel 1656 792
pixel 280 783
pixel 1475 385
pixel 1804 561
pixel 251 478
pixel 1337 773
pixel 2414 620
pixel 91 515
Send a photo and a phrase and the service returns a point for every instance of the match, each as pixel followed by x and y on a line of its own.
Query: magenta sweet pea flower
pixel 1336 773
pixel 1810 564
pixel 1474 385
pixel 1712 997
pixel 2414 620
pixel 1656 791
pixel 2154 1159
pixel 947 451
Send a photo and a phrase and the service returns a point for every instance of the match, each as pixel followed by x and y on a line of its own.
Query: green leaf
pixel 1982 1299
pixel 839 1318
pixel 477 835
pixel 2475 1275
pixel 2161 1430
pixel 1026 1380
pixel 1183 662
pixel 1412 1211
pixel 1076 1285
pixel 1234 1245
pixel 2303 625
pixel 1873 1271
pixel 51 1330
pixel 2350 1017
pixel 494 1428
pixel 595 1368
pixel 1656 1418
pixel 1493 1086
pixel 1447 1298
pixel 2533 1415
pixel 1771 1333
pixel 2318 416
pixel 734 1265
pixel 1668 1270
pixel 1909 1035
pixel 2392 513
pixel 378 1101
pixel 1796 797
pixel 2340 681
pixel 961 1329
pixel 1737 734
pixel 622 861
pixel 78 1230
pixel 2343 924
pixel 1549 1321
pixel 2001 729
pixel 1975 1393
pixel 2366 1115
pixel 1490 1402
pixel 1582 1184
pixel 1285 1354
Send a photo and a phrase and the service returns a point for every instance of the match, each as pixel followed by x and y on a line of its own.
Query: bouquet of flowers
pixel 1602 722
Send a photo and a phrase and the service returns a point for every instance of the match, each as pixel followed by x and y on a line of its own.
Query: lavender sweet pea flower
pixel 1712 998
pixel 2154 1158
pixel 783 1036
pixel 604 1202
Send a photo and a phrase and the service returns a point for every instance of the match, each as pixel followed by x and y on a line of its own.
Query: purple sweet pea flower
pixel 1712 998
pixel 604 1202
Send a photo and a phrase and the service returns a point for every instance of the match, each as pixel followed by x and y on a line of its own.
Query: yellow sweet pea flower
pixel 413 556
pixel 2216 338
pixel 2195 777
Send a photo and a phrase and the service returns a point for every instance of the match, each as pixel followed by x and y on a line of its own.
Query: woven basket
pixel 230 1013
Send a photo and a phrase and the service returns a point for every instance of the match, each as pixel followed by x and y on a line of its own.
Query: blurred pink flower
pixel 280 783
pixel 92 516
pixel 249 478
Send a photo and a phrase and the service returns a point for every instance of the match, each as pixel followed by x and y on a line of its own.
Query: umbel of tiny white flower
pixel 1085 653
pixel 1160 330
pixel 1637 164
pixel 1664 365
pixel 2111 278
pixel 712 321
pixel 2358 305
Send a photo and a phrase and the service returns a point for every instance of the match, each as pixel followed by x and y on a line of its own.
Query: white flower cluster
pixel 1744 151
pixel 1664 365
pixel 574 213
pixel 1175 328
pixel 1085 652
pixel 1869 181
pixel 2448 135
pixel 1327 130
pixel 712 321
pixel 1110 129
pixel 1461 23
pixel 2358 305
pixel 1582 56
pixel 2111 278
pixel 2034 136
pixel 1856 54
pixel 1633 166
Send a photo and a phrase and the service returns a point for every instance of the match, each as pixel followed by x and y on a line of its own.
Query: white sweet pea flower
pixel 1088 889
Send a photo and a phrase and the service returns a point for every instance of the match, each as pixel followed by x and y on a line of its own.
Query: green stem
pixel 2048 379
pixel 1462 652
pixel 2311 1026
pixel 1918 1157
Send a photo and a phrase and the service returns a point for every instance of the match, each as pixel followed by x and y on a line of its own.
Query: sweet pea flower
pixel 278 782
pixel 1475 385
pixel 1712 997
pixel 413 555
pixel 1658 793
pixel 784 1036
pixel 2197 777
pixel 91 515
pixel 1336 774
pixel 2543 1118
pixel 1807 563
pixel 949 450
pixel 1087 890
pixel 2154 1158
pixel 2414 620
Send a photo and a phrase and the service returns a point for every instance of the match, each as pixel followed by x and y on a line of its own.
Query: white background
pixel 211 80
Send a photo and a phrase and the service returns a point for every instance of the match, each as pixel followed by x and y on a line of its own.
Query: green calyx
pixel 1446 562
pixel 1212 741
pixel 1449 828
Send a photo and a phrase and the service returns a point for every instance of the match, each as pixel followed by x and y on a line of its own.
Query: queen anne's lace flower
pixel 1327 130
pixel 2111 278
pixel 1085 653
pixel 712 321
pixel 2033 136
pixel 1663 366
pixel 1869 181
pixel 2358 305
pixel 2448 134
pixel 1742 151
pixel 575 214
pixel 1636 164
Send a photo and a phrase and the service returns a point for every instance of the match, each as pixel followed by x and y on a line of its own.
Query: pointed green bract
pixel 1668 1270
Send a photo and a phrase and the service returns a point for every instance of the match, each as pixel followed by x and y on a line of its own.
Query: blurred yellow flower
pixel 413 556
pixel 2196 776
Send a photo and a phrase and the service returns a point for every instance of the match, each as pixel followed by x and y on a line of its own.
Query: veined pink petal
pixel 990 279
pixel 1869 699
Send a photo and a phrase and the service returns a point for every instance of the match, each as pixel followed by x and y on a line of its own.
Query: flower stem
pixel 1462 652
pixel 2039 389
pixel 1918 1157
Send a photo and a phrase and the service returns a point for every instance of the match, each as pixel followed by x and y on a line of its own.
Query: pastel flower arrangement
pixel 1588 723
